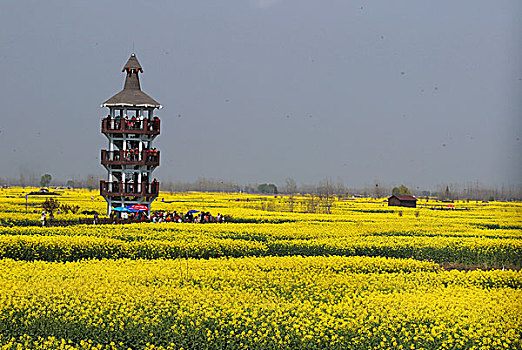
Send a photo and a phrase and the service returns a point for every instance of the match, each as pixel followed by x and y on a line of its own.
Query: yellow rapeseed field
pixel 366 276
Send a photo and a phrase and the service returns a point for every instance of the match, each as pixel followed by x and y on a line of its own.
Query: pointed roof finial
pixel 132 63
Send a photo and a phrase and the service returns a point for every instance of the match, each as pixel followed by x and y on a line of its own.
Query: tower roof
pixel 132 62
pixel 131 95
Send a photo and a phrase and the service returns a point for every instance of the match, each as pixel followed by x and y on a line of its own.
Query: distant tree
pixel 70 183
pixel 32 179
pixel 249 189
pixel 340 189
pixel 290 186
pixel 377 190
pixel 401 191
pixel 91 181
pixel 22 180
pixel 326 196
pixel 311 203
pixel 45 180
pixel 290 189
pixel 267 188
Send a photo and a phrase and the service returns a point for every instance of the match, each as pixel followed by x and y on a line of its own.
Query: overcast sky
pixel 420 93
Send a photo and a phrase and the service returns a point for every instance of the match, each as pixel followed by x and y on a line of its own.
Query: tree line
pixel 326 188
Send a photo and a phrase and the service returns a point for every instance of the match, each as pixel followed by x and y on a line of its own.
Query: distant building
pixel 402 201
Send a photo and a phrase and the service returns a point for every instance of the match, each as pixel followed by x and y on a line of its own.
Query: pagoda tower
pixel 130 128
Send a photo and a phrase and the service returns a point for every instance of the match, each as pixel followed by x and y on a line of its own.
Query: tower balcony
pixel 120 189
pixel 130 157
pixel 130 126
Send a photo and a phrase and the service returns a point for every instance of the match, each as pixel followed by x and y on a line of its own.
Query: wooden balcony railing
pixel 127 157
pixel 130 126
pixel 120 189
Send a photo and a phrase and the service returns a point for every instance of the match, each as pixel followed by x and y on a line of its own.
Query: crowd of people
pixel 134 155
pixel 192 216
pixel 133 186
pixel 133 123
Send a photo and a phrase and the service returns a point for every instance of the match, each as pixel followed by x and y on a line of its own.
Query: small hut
pixel 402 201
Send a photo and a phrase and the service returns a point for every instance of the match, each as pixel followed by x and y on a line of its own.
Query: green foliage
pixel 45 180
pixel 66 208
pixel 401 191
pixel 267 188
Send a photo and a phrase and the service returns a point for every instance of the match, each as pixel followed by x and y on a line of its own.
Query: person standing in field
pixel 43 218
